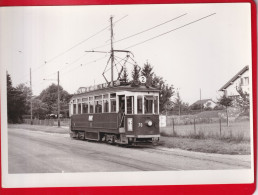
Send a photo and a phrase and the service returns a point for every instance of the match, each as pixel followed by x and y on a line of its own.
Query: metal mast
pixel 112 53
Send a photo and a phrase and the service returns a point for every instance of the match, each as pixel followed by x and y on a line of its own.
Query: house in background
pixel 206 103
pixel 241 79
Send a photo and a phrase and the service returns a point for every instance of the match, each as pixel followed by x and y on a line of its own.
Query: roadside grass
pixel 206 145
pixel 47 129
pixel 234 139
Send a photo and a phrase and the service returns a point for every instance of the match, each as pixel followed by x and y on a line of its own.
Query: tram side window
pixel 105 104
pixel 139 104
pixel 98 104
pixel 79 108
pixel 85 107
pixel 148 104
pixel 113 102
pixel 74 109
pixel 98 107
pixel 156 105
pixel 91 104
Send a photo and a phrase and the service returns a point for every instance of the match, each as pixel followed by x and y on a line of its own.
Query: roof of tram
pixel 97 90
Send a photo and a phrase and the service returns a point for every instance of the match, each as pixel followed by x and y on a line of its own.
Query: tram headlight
pixel 149 123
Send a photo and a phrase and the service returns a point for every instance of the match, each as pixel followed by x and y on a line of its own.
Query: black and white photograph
pixel 118 95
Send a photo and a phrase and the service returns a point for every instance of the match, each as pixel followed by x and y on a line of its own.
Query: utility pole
pixel 201 98
pixel 31 100
pixel 58 100
pixel 112 52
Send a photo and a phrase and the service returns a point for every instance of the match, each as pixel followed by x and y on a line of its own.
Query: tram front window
pixel 129 100
pixel 139 104
pixel 156 105
pixel 148 104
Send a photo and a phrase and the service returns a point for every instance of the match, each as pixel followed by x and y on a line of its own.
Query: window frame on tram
pixel 140 103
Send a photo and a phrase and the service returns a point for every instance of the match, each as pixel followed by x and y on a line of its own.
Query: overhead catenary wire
pixel 74 46
pixel 171 30
pixel 87 63
pixel 146 30
pixel 88 38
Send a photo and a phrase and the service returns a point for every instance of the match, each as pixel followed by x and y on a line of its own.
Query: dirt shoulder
pixel 189 144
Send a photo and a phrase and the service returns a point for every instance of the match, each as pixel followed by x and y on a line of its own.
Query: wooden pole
pixel 112 53
pixel 58 100
pixel 31 100
pixel 194 127
pixel 173 120
pixel 220 127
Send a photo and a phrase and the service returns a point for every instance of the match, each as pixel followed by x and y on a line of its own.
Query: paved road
pixel 39 152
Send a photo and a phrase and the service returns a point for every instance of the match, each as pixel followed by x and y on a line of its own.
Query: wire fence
pixel 48 122
pixel 207 128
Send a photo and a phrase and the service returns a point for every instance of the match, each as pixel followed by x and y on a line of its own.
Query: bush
pixel 198 135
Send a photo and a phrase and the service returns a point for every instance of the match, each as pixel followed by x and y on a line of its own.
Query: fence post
pixel 220 127
pixel 194 127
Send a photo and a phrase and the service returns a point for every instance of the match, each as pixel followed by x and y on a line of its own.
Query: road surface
pixel 40 152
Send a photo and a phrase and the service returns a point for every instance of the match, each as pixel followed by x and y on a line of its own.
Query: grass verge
pixel 208 145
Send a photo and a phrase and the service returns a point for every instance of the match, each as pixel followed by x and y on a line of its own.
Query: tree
pixel 125 75
pixel 39 108
pixel 179 106
pixel 16 103
pixel 135 75
pixel 26 92
pixel 226 102
pixel 49 97
pixel 166 91
pixel 147 71
pixel 243 101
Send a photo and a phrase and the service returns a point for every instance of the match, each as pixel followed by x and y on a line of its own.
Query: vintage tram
pixel 116 115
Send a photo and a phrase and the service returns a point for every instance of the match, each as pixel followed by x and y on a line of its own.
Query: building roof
pixel 240 73
pixel 199 102
pixel 114 89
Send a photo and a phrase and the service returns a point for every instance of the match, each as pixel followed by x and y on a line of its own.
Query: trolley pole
pixel 112 52
pixel 31 123
pixel 58 100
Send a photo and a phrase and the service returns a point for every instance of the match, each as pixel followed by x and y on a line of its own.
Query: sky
pixel 201 48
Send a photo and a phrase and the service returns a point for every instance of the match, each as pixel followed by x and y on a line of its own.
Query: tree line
pixel 45 104
pixel 19 99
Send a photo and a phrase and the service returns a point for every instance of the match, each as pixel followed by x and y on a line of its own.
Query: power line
pixel 69 64
pixel 84 64
pixel 171 30
pixel 64 52
pixel 146 30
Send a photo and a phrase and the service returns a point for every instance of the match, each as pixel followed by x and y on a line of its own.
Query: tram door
pixel 121 99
